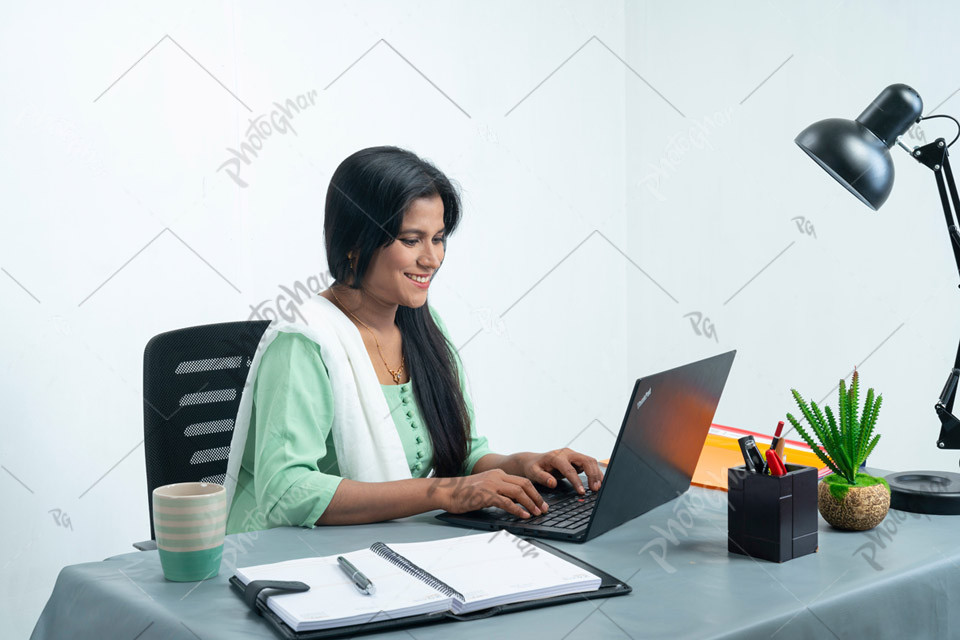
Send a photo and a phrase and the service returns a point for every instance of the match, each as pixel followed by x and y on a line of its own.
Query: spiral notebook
pixel 455 576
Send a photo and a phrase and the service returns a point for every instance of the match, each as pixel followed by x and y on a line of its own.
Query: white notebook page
pixel 496 568
pixel 334 601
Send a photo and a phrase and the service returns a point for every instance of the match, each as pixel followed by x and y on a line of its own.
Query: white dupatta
pixel 365 436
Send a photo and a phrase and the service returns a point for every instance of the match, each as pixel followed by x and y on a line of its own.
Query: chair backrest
pixel 193 379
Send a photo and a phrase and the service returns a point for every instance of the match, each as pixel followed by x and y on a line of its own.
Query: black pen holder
pixel 772 517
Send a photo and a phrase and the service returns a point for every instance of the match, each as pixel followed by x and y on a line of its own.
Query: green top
pixel 289 470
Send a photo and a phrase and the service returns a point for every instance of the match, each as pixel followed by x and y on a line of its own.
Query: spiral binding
pixel 396 559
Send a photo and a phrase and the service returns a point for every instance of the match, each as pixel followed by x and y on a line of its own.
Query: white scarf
pixel 365 436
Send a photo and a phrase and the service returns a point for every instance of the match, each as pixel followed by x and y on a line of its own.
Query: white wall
pixel 712 199
pixel 121 226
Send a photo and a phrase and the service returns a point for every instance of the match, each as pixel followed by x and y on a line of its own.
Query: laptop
pixel 653 460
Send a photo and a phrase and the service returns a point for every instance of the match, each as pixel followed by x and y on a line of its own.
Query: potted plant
pixel 846 499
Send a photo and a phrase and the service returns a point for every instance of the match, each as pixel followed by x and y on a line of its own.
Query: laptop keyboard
pixel 568 512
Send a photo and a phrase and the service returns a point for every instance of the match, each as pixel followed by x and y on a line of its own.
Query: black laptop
pixel 653 460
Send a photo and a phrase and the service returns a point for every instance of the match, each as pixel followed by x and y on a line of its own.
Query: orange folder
pixel 721 451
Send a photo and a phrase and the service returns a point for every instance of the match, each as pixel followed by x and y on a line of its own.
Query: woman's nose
pixel 432 257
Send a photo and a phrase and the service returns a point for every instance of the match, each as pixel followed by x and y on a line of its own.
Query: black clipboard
pixel 609 586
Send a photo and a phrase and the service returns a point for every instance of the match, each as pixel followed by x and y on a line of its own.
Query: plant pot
pixel 860 509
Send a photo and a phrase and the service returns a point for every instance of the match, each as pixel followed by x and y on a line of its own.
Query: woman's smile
pixel 422 282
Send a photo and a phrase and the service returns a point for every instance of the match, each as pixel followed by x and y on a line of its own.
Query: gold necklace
pixel 395 374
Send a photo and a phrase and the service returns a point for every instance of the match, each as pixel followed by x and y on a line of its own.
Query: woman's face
pixel 418 250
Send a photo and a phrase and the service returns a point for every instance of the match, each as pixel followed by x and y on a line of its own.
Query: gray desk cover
pixel 899 580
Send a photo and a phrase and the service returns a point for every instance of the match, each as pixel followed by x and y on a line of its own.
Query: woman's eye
pixel 410 243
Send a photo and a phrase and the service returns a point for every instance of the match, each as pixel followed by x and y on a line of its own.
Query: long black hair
pixel 368 195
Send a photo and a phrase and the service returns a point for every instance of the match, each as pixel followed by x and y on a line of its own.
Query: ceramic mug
pixel 190 519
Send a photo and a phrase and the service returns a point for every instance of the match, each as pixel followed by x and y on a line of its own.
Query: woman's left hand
pixel 545 468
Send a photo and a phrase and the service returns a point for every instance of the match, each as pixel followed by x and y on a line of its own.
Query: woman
pixel 388 215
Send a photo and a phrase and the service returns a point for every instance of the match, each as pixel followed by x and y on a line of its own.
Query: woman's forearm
pixel 357 502
pixel 512 464
pixel 363 502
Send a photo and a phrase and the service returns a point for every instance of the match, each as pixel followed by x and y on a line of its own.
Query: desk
pixel 899 580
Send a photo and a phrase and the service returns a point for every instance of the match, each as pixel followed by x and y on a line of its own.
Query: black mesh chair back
pixel 193 379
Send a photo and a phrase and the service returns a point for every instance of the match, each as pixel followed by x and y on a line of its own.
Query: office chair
pixel 193 379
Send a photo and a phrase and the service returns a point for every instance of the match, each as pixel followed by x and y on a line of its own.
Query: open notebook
pixel 460 575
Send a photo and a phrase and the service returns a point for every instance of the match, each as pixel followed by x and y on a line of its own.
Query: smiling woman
pixel 387 217
pixel 312 447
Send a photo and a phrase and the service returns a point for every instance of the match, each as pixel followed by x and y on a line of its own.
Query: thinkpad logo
pixel 644 398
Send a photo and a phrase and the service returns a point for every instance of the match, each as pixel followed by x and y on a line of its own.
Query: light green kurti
pixel 289 470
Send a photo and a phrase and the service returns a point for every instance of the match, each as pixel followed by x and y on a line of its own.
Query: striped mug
pixel 190 519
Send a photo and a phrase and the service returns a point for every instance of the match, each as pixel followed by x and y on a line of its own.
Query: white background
pixel 623 165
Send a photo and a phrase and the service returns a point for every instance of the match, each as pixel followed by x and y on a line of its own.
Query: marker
pixel 752 459
pixel 361 581
pixel 778 441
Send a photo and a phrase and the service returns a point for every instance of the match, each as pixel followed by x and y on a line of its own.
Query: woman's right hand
pixel 492 488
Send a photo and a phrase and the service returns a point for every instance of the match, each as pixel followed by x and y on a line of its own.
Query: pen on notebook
pixel 361 581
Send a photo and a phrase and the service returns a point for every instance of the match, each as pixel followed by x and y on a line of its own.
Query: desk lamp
pixel 857 154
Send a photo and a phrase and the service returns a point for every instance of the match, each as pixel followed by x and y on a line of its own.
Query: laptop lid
pixel 660 440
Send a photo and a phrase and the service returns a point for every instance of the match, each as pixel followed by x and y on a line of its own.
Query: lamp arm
pixel 937 157
pixel 948 214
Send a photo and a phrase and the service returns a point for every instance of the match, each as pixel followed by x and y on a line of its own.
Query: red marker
pixel 775 464
pixel 776 436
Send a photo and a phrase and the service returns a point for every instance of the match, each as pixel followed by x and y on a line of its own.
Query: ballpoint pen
pixel 361 581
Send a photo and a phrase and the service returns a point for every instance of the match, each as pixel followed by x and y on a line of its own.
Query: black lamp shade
pixel 857 152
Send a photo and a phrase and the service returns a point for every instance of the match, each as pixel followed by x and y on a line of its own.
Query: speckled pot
pixel 861 509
